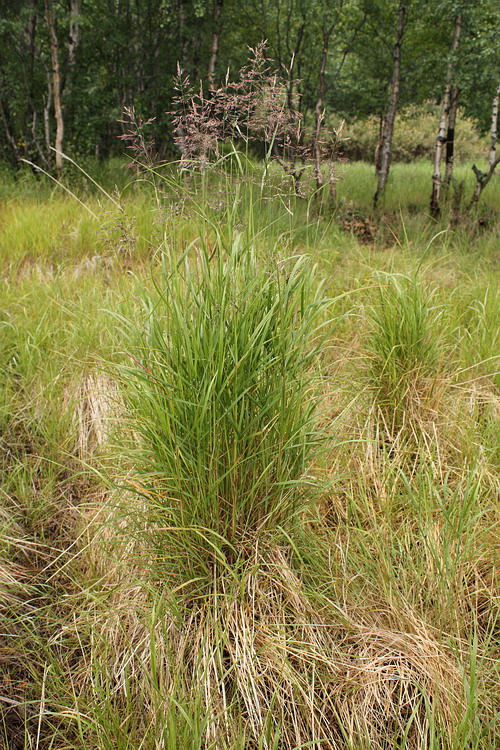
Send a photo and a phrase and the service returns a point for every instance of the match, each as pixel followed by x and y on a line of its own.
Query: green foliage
pixel 415 135
pixel 128 54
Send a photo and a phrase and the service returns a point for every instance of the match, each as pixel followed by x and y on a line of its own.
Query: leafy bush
pixel 415 133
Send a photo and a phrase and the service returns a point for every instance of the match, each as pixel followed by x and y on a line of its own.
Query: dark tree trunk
pixel 182 36
pixel 31 114
pixel 196 54
pixel 71 65
pixel 378 149
pixel 46 118
pixel 387 130
pixel 56 84
pixel 450 135
pixel 291 77
pixel 482 179
pixel 214 46
pixel 13 152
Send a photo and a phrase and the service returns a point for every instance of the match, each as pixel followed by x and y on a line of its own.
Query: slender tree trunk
pixel 46 117
pixel 30 35
pixel 441 139
pixel 482 179
pixel 30 32
pixel 387 130
pixel 44 157
pixel 74 43
pixel 494 126
pixel 196 55
pixel 56 84
pixel 214 47
pixel 450 135
pixel 378 149
pixel 74 39
pixel 291 76
pixel 9 134
pixel 319 110
pixel 182 37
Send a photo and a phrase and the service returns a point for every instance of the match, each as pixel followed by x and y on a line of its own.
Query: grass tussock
pixel 406 353
pixel 266 659
pixel 221 393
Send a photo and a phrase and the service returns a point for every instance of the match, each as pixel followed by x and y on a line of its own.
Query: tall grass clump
pixel 405 351
pixel 220 395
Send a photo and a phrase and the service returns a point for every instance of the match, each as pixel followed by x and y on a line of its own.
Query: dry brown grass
pixel 261 650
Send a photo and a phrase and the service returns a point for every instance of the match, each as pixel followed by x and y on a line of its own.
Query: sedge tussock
pixel 406 354
pixel 221 396
pixel 263 650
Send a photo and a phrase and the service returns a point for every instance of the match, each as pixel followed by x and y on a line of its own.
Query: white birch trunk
pixel 494 127
pixel 441 139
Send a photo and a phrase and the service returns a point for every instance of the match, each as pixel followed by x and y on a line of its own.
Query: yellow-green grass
pixel 371 620
pixel 409 186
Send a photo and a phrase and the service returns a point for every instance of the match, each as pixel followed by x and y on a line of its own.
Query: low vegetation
pixel 414 137
pixel 250 467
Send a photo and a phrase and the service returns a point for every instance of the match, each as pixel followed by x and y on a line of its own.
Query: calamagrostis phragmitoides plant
pixel 220 395
pixel 258 109
pixel 142 148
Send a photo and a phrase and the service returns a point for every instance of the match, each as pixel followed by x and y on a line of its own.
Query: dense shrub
pixel 414 136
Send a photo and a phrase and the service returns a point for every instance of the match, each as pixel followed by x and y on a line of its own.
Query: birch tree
pixel 494 126
pixel 332 22
pixel 319 110
pixel 214 46
pixel 387 127
pixel 443 121
pixel 56 82
pixel 450 135
pixel 73 44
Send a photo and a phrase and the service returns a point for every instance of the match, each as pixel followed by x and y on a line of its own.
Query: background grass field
pixel 250 456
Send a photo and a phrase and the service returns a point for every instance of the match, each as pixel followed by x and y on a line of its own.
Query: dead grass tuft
pixel 95 402
pixel 262 655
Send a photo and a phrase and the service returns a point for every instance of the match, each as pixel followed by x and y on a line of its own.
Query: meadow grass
pixel 249 463
pixel 41 221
